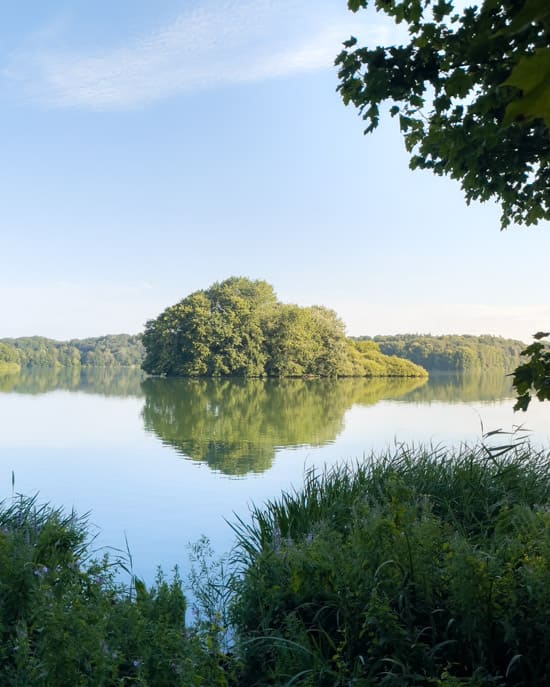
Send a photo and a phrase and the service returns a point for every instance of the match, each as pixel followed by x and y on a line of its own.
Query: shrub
pixel 418 568
pixel 67 621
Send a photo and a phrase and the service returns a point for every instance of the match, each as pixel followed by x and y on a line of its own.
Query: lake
pixel 161 462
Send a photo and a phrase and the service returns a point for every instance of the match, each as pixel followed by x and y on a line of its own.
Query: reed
pixel 417 567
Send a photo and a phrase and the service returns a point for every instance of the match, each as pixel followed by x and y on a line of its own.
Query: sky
pixel 150 149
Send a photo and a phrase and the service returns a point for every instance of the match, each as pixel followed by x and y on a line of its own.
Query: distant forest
pixel 452 353
pixel 376 356
pixel 102 351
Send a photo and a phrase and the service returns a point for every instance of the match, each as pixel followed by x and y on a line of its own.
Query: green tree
pixel 214 332
pixel 306 341
pixel 9 359
pixel 533 376
pixel 472 92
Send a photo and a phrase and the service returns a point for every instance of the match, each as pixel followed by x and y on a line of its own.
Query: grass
pixel 420 567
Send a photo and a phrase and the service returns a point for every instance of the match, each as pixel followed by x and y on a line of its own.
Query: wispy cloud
pixel 212 44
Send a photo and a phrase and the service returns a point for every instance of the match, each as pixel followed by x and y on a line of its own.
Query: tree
pixel 533 377
pixel 472 92
pixel 306 341
pixel 211 333
pixel 9 359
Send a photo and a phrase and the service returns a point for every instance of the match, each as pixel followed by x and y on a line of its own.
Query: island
pixel 239 328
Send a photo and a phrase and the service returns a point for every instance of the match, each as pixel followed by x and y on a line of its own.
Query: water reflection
pixel 491 385
pixel 235 426
pixel 104 381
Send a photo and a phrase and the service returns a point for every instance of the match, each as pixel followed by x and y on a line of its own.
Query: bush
pixel 417 568
pixel 67 621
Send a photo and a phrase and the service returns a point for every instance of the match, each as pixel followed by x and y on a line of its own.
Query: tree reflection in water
pixel 236 425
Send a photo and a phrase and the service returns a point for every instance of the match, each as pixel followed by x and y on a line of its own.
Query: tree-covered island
pixel 238 327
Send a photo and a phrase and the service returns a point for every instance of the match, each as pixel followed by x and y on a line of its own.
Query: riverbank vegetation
pixel 67 620
pixel 238 328
pixel 419 567
pixel 453 353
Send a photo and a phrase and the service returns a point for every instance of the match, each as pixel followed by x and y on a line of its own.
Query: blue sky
pixel 150 149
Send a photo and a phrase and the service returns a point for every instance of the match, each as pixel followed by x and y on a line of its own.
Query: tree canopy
pixel 9 359
pixel 238 328
pixel 472 93
pixel 532 378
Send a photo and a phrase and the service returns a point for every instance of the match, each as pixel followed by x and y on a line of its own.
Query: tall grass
pixel 419 567
pixel 67 621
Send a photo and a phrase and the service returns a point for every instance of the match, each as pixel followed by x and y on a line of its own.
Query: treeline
pixel 103 351
pixel 453 353
pixel 238 328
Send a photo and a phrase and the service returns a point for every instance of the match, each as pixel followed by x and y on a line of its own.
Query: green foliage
pixel 41 352
pixel 454 353
pixel 368 360
pixel 237 327
pixel 111 350
pixel 66 621
pixel 305 341
pixel 533 376
pixel 472 94
pixel 9 359
pixel 417 568
pixel 212 333
pixel 104 351
pixel 531 73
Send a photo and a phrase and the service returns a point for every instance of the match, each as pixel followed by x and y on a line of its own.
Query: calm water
pixel 164 461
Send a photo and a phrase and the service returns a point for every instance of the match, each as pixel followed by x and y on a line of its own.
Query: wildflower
pixel 277 539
